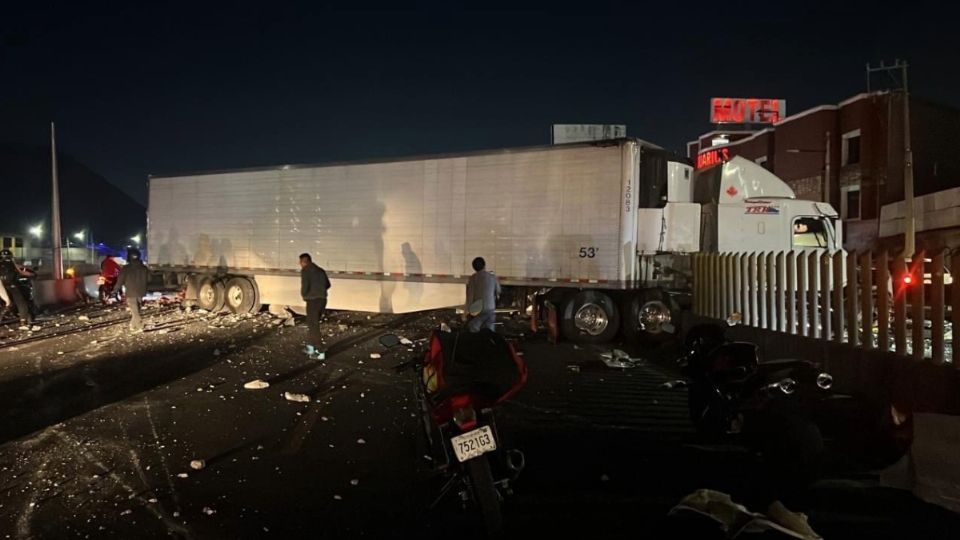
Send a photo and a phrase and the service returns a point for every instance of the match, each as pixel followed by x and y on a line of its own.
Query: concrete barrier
pixel 59 292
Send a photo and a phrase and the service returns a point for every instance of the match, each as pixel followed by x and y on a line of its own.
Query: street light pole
pixel 909 241
pixel 55 211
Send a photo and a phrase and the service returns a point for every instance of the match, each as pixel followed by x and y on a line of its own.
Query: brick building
pixel 851 155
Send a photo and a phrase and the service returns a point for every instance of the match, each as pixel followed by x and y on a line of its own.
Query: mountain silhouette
pixel 88 202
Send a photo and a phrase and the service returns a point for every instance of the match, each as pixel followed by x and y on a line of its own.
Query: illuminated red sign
pixel 710 158
pixel 747 110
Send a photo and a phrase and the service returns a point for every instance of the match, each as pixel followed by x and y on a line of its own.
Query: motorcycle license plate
pixel 473 443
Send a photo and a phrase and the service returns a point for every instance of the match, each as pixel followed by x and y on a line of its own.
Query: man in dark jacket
pixel 313 288
pixel 134 276
pixel 10 273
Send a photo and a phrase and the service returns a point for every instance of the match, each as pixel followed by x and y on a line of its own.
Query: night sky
pixel 178 87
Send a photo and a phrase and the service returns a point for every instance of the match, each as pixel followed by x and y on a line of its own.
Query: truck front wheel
pixel 645 314
pixel 589 317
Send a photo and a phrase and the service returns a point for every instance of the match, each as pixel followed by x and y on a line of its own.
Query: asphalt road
pixel 99 430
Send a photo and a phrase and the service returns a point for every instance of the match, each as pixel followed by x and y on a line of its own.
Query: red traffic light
pixel 907 279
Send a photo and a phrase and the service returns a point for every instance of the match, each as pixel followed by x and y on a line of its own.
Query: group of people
pixel 483 291
pixel 133 275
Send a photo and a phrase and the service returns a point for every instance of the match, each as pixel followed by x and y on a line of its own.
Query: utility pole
pixel 55 211
pixel 910 229
pixel 910 224
pixel 827 183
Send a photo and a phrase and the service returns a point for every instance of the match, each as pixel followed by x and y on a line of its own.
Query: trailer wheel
pixel 644 315
pixel 241 295
pixel 210 295
pixel 589 317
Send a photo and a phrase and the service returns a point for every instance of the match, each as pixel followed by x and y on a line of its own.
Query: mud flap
pixel 553 328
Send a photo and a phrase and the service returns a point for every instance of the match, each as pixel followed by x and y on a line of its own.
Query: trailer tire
pixel 639 304
pixel 241 296
pixel 589 317
pixel 211 294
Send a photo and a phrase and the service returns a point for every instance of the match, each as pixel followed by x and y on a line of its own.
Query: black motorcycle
pixel 728 383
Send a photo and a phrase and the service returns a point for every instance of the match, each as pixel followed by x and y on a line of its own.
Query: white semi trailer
pixel 602 230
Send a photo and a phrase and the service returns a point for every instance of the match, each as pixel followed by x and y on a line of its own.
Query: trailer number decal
pixel 588 252
pixel 628 196
pixel 762 210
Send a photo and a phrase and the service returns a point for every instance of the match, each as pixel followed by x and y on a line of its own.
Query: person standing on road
pixel 313 288
pixel 10 273
pixel 134 276
pixel 483 290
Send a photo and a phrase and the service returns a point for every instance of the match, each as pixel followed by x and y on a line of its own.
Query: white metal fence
pixel 836 297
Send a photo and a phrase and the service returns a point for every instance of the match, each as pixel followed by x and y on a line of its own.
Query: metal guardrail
pixel 867 300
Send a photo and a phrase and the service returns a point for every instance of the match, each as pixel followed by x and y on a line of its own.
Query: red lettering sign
pixel 746 110
pixel 710 158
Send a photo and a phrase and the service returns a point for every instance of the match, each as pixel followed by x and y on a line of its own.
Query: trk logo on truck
pixel 762 210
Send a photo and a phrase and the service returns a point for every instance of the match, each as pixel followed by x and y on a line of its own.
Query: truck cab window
pixel 810 232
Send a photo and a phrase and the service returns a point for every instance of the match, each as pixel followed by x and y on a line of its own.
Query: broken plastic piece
pixel 620 359
pixel 256 385
pixel 299 398
pixel 198 464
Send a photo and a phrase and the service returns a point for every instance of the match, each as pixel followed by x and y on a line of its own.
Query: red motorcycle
pixel 459 380
pixel 109 272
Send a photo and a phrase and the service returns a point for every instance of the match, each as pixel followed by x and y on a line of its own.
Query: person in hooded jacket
pixel 134 277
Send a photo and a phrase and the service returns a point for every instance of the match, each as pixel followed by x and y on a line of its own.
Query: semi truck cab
pixel 736 207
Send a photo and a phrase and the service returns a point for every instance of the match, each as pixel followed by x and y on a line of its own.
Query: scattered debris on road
pixel 198 464
pixel 299 398
pixel 619 359
pixel 256 385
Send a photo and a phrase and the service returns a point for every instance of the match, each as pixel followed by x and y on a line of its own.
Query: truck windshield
pixel 810 232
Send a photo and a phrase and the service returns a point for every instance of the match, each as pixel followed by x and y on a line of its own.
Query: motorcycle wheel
pixel 485 495
pixel 103 294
